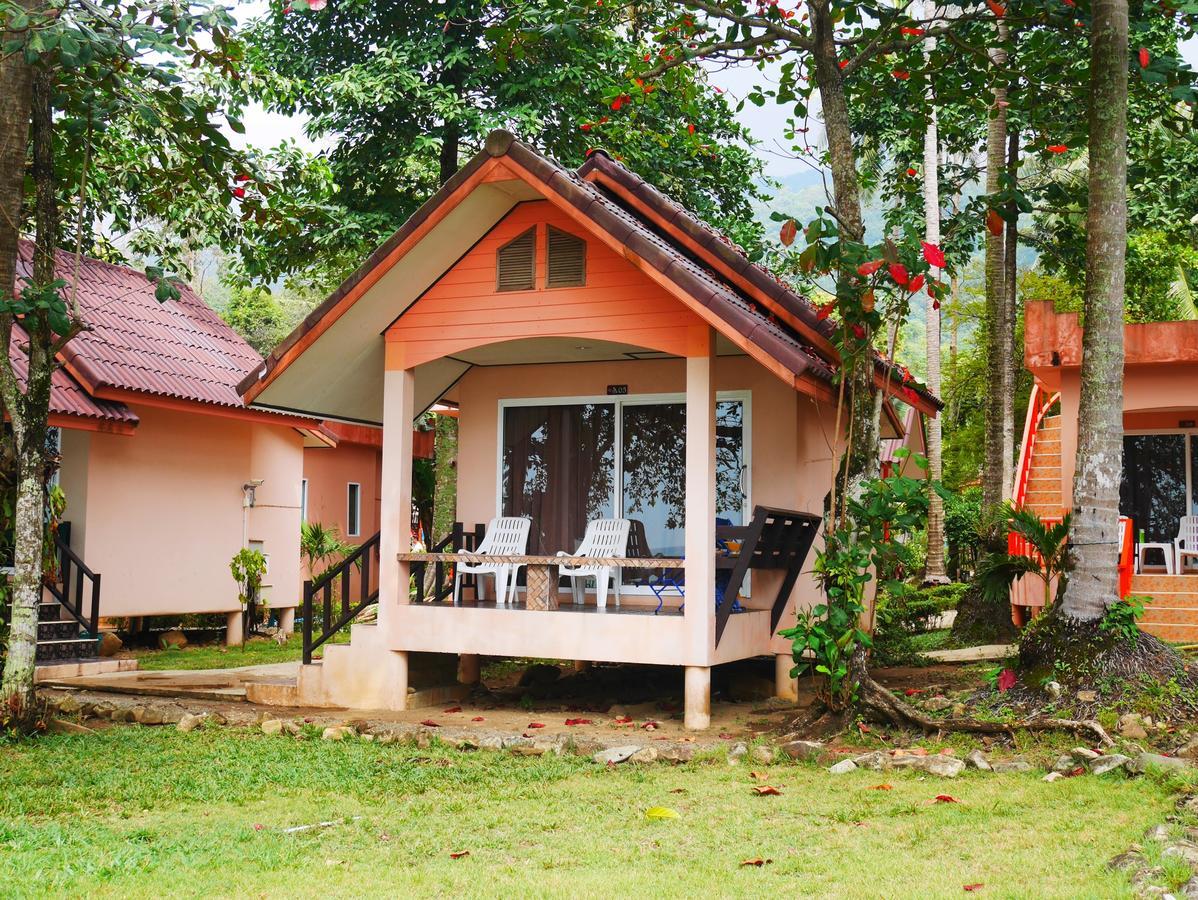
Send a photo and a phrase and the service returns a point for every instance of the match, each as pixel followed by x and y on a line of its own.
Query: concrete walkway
pixel 974 654
pixel 197 684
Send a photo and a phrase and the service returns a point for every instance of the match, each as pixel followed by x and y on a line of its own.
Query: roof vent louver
pixel 567 260
pixel 516 263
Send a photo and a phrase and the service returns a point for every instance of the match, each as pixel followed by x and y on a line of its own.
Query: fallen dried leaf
pixel 578 721
pixel 536 724
pixel 1075 771
pixel 757 776
pixel 651 725
pixel 911 692
pixel 258 826
pixel 973 887
pixel 452 709
pixel 622 720
pixel 477 719
pixel 863 728
pixel 725 736
pixel 946 798
pixel 882 787
pixel 430 723
pixel 756 861
pixel 678 791
pixel 766 790
pixel 661 812
pixel 458 854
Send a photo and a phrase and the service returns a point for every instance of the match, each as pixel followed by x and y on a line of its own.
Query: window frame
pixel 303 500
pixel 353 509
pixel 532 278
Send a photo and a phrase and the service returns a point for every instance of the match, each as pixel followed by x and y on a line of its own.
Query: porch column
pixel 785 687
pixel 700 525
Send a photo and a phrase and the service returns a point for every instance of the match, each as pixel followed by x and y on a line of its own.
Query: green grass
pixel 217 656
pixel 151 812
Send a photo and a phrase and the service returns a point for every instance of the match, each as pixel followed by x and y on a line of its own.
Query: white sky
pixel 767 123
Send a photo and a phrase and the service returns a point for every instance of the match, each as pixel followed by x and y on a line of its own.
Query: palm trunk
pixel 934 567
pixel 1093 585
pixel 1000 423
pixel 1010 311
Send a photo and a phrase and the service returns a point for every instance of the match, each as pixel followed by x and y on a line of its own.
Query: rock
pixel 644 755
pixel 333 732
pixel 1186 850
pixel 527 748
pixel 876 760
pixel 1158 833
pixel 491 742
pixel 272 726
pixel 678 754
pixel 59 726
pixel 845 765
pixel 1053 689
pixel 615 755
pixel 943 766
pixel 1064 763
pixel 977 760
pixel 1087 696
pixel 763 755
pixel 1085 753
pixel 539 675
pixel 1188 804
pixel 109 644
pixel 217 718
pixel 169 639
pixel 616 711
pixel 805 750
pixel 738 752
pixel 1146 761
pixel 1132 859
pixel 1053 776
pixel 293 728
pixel 937 704
pixel 148 715
pixel 1109 763
pixel 172 715
pixel 960 710
pixel 1188 751
pixel 103 710
pixel 1131 726
pixel 122 714
pixel 747 687
pixel 189 723
pixel 1011 765
pixel 69 705
pixel 1189 890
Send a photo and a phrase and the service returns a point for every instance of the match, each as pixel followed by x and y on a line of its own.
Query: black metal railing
pixel 77 588
pixel 347 585
pixel 441 584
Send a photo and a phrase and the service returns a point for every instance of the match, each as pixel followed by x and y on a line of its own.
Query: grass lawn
pixel 218 656
pixel 141 812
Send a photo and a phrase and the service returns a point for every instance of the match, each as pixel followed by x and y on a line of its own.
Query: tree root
pixel 876 699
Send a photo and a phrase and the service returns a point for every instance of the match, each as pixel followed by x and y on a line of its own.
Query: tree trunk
pixel 1093 585
pixel 28 415
pixel 934 567
pixel 1011 310
pixel 451 139
pixel 445 476
pixel 1000 428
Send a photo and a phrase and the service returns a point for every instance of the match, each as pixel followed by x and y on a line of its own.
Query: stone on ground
pixel 1131 726
pixel 1053 776
pixel 644 755
pixel 1146 761
pixel 803 749
pixel 1109 763
pixel 1085 753
pixel 60 726
pixel 272 726
pixel 109 644
pixel 944 766
pixel 763 754
pixel 170 639
pixel 977 760
pixel 614 755
pixel 737 753
pixel 336 732
pixel 1011 765
pixel 189 722
pixel 845 765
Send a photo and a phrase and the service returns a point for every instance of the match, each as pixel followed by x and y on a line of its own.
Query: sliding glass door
pixel 560 466
pixel 1160 479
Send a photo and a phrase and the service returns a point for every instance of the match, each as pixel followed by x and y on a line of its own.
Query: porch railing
pixel 1038 406
pixel 77 588
pixel 441 584
pixel 337 587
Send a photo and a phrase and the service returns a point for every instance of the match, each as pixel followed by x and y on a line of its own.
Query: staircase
pixel 1043 490
pixel 60 637
pixel 1171 610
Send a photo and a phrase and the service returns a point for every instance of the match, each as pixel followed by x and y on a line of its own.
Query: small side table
pixel 1166 552
pixel 540 586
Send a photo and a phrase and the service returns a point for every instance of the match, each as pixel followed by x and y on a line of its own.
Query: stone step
pixel 1046 460
pixel 1174 634
pixel 57 630
pixel 1153 584
pixel 69 649
pixel 1168 612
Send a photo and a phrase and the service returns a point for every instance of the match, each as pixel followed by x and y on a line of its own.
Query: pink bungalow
pixel 1158 496
pixel 611 359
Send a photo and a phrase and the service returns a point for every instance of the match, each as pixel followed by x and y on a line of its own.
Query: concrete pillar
pixel 700 496
pixel 395 513
pixel 582 665
pixel 697 700
pixel 785 687
pixel 235 628
pixel 287 620
pixel 469 668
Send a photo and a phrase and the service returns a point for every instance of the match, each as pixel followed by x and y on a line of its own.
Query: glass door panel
pixel 1153 489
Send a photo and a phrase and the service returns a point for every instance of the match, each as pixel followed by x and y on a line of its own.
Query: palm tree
pixel 321 547
pixel 1050 561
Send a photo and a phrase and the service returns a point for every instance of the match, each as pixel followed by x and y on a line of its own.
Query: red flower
pixel 1145 58
pixel 826 310
pixel 317 4
pixel 859 332
pixel 911 32
pixel 933 255
pixel 242 177
pixel 587 126
pixel 691 128
pixel 899 273
pixel 1057 148
pixel 935 304
pixel 915 284
pixel 868 268
pixel 238 192
pixel 843 63
pixel 911 172
pixel 997 8
pixel 901 74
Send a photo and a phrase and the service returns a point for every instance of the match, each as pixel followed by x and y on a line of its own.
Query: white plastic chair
pixel 605 538
pixel 507 536
pixel 1186 542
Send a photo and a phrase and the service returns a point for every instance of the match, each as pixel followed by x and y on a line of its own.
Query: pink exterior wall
pixel 161 510
pixel 790 465
pixel 1160 375
pixel 329 470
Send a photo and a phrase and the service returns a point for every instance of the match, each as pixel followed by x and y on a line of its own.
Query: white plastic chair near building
pixel 1185 545
pixel 507 536
pixel 604 539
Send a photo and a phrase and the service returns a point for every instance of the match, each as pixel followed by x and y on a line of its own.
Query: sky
pixel 767 123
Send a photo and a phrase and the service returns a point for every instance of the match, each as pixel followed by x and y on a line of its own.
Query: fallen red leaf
pixel 1007 679
pixel 973 887
pixel 946 798
pixel 766 790
pixel 458 854
pixel 1075 771
pixel 536 724
pixel 882 787
pixel 911 692
pixel 622 720
pixel 430 723
pixel 651 725
pixel 578 721
pixel 477 719
pixel 452 709
pixel 863 728
pixel 725 736
pixel 756 861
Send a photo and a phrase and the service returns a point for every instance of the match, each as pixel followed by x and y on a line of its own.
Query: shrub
pixel 962 530
pixel 900 617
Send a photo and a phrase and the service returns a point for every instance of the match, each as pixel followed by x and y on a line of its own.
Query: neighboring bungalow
pixel 610 357
pixel 166 472
pixel 341 480
pixel 1159 491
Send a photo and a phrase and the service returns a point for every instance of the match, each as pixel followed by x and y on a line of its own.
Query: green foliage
pixel 999 570
pixel 1122 619
pixel 908 614
pixel 321 547
pixel 40 298
pixel 963 530
pixel 248 566
pixel 256 316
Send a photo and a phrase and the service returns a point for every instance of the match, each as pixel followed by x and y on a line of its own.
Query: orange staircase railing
pixel 1038 406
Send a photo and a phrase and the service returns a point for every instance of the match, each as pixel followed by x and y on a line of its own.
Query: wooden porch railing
pixel 339 580
pixel 442 584
pixel 79 594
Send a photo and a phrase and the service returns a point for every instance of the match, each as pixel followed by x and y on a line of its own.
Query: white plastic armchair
pixel 507 536
pixel 1186 542
pixel 606 539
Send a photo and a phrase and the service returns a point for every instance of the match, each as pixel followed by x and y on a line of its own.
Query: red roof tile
pixel 179 349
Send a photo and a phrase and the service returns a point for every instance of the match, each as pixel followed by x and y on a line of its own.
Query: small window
pixel 353 515
pixel 516 263
pixel 304 500
pixel 567 260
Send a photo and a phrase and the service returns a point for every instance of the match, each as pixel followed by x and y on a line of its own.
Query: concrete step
pixel 1174 634
pixel 1153 584
pixel 50 673
pixel 1166 612
pixel 66 649
pixel 57 630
